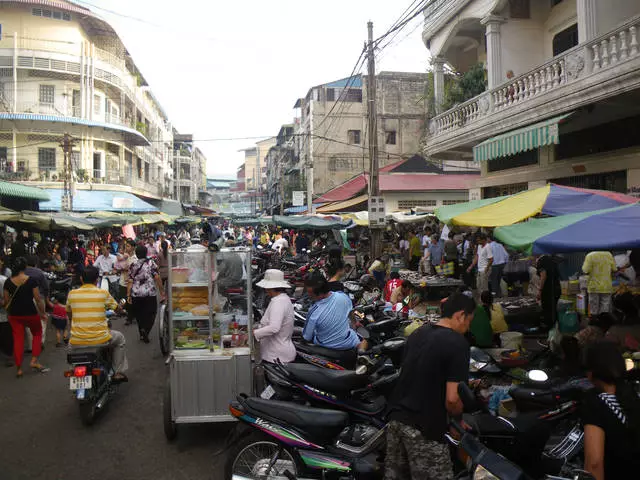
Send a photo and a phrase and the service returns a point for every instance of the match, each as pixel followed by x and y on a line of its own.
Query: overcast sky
pixel 235 69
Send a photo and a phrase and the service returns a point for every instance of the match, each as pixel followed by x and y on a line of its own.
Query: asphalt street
pixel 41 436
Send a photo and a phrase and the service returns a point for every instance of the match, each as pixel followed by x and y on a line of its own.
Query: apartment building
pixel 190 167
pixel 332 126
pixel 284 175
pixel 561 101
pixel 65 70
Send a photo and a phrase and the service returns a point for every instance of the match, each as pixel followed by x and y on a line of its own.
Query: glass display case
pixel 210 334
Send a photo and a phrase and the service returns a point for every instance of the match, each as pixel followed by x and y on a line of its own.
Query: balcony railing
pixel 590 58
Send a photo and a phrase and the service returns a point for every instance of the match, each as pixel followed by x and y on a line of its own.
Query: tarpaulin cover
pixel 309 222
pixel 7 215
pixel 92 200
pixel 551 200
pixel 609 229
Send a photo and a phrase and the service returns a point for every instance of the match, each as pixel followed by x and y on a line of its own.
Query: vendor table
pixel 521 311
pixel 210 320
pixel 437 286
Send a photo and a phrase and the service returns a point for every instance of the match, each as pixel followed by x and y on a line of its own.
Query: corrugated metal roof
pixel 134 136
pixel 11 189
pixel 96 200
pixel 352 82
pixel 345 191
pixel 344 205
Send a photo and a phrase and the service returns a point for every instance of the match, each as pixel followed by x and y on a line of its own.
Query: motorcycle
pixel 541 441
pixel 91 380
pixel 284 441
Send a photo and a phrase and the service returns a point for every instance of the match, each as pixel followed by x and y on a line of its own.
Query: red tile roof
pixel 398 182
pixel 348 189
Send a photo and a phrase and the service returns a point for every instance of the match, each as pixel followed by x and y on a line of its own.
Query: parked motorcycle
pixel 91 380
pixel 526 437
pixel 284 440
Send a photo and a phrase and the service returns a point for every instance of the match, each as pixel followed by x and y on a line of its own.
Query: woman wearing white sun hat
pixel 276 326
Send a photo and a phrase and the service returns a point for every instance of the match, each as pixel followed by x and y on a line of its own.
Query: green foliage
pixel 458 88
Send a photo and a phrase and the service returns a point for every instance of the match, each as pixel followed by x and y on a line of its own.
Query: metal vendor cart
pixel 210 331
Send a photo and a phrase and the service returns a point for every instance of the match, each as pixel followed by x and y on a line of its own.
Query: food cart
pixel 210 335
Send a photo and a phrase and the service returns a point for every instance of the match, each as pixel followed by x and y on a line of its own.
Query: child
pixel 59 320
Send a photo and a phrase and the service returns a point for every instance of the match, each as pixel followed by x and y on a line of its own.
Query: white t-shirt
pixel 281 244
pixel 484 254
pixel 404 245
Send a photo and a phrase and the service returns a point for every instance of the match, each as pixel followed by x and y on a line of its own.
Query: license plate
pixel 77 383
pixel 267 393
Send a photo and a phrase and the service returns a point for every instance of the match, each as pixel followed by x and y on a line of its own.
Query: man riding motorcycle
pixel 86 307
pixel 327 322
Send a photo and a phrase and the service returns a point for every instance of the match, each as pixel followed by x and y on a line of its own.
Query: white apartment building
pixel 190 167
pixel 562 97
pixel 65 70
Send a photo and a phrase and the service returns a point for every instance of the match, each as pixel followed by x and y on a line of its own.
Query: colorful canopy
pixel 610 229
pixel 311 222
pixel 551 200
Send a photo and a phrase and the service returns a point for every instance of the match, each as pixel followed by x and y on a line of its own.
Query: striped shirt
pixel 88 305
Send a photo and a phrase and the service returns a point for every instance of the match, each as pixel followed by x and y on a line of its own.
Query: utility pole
pixel 375 235
pixel 67 144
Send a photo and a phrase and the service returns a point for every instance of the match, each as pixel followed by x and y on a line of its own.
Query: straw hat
pixel 273 279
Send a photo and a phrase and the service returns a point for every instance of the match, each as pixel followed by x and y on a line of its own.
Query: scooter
pixel 91 380
pixel 284 441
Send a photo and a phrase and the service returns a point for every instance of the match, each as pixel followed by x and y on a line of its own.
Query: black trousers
pixel 144 310
pixel 6 339
pixel 549 304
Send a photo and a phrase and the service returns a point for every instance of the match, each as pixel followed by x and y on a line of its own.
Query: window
pixel 331 95
pixel 97 104
pixel 46 159
pixel 353 137
pixel 501 190
pixel 519 8
pixel 522 159
pixel 565 40
pixel 47 94
pixel 66 17
pixel 353 95
pixel 390 137
pixel 57 15
pixel 47 13
pixel 1 91
pixel 452 202
pixel 409 204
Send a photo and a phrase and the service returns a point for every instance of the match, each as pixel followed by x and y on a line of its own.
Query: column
pixel 438 82
pixel 494 49
pixel 587 20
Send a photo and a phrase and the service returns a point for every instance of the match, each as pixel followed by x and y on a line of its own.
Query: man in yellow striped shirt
pixel 87 308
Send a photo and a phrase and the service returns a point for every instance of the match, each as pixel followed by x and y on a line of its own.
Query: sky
pixel 226 69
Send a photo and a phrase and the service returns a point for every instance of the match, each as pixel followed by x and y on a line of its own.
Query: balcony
pixel 604 67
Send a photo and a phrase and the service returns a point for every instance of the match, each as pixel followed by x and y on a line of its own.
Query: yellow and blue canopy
pixel 615 228
pixel 553 200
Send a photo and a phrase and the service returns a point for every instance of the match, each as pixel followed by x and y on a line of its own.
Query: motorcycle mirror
pixel 537 376
pixel 363 332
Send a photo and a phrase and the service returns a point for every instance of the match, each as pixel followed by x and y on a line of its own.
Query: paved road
pixel 41 436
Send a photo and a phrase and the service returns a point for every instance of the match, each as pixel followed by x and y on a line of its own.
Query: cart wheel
pixel 170 427
pixel 164 330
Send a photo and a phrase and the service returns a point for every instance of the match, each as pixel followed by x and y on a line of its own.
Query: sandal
pixel 39 368
pixel 19 374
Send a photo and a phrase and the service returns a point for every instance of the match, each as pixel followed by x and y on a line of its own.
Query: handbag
pixel 12 297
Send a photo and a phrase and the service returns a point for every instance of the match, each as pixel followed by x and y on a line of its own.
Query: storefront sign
pixel 377 212
pixel 298 198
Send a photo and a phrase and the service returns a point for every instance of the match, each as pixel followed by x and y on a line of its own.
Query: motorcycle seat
pixel 326 422
pixel 536 398
pixel 313 349
pixel 485 424
pixel 327 379
pixel 383 325
pixel 85 353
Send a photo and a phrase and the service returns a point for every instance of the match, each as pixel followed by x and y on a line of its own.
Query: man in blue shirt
pixel 500 259
pixel 436 251
pixel 327 322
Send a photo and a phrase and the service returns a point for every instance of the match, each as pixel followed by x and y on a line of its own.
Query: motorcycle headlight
pixel 482 473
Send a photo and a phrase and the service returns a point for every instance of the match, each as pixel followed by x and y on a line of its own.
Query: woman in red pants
pixel 22 302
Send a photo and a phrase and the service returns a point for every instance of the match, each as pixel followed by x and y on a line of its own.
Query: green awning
pixel 11 189
pixel 521 140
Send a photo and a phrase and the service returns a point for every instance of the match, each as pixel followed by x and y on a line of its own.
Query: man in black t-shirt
pixel 436 360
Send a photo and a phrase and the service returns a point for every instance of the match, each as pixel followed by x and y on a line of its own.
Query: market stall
pixel 210 335
pixel 435 286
